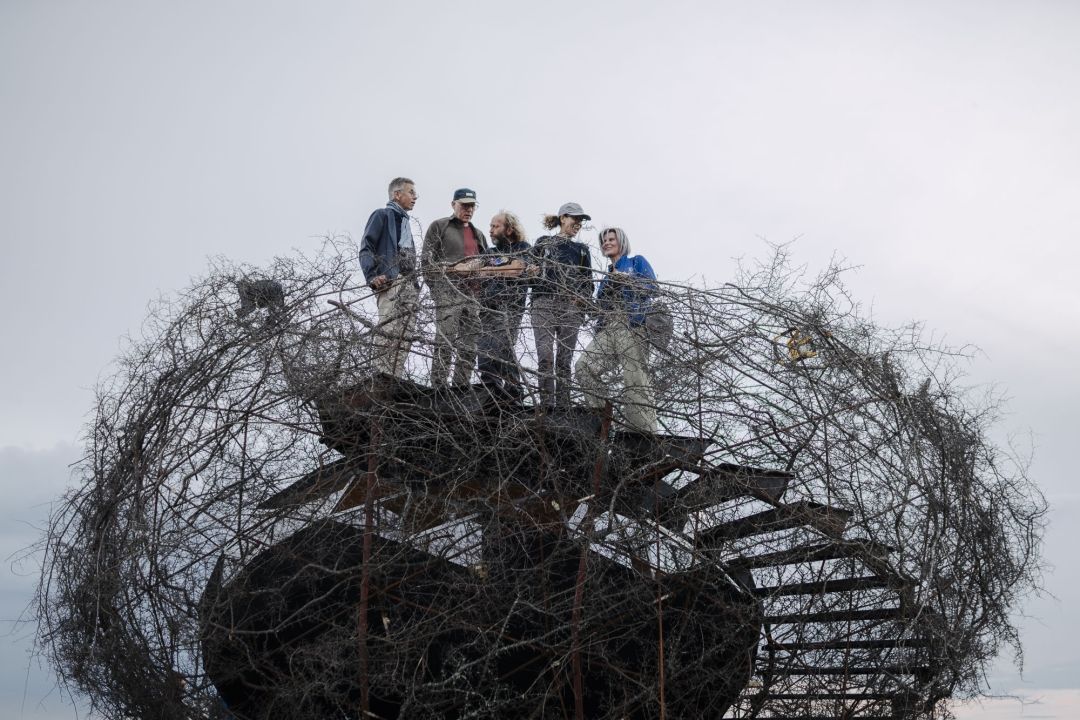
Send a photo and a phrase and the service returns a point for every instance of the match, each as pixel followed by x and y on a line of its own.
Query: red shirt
pixel 470 241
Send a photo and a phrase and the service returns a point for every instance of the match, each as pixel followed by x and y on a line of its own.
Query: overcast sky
pixel 933 144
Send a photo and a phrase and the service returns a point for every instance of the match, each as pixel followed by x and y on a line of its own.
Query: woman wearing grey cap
pixel 561 272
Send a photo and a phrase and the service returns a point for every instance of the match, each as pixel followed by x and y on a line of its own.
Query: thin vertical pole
pixel 365 569
pixel 579 590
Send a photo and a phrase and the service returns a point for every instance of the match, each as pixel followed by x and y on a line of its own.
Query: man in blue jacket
pixel 388 259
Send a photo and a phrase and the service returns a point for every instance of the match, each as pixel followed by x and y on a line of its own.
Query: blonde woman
pixel 623 299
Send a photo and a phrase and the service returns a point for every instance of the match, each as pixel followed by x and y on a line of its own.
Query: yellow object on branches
pixel 800 347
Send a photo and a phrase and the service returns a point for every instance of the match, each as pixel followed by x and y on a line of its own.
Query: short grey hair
pixel 620 237
pixel 398 184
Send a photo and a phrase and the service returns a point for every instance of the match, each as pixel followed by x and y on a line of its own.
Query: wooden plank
pixel 814 552
pixel 845 670
pixel 856 696
pixel 484 266
pixel 824 518
pixel 316 485
pixel 735 480
pixel 835 616
pixel 713 484
pixel 876 644
pixel 822 587
pixel 355 495
pixel 845 716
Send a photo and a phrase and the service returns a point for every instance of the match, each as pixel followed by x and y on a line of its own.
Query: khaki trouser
pixel 613 345
pixel 398 305
pixel 457 324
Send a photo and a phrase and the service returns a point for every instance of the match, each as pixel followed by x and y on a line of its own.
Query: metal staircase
pixel 840 634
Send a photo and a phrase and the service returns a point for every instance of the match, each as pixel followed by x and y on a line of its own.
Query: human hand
pixel 379 283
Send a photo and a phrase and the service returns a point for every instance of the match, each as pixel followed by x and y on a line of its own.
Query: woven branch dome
pixel 263 527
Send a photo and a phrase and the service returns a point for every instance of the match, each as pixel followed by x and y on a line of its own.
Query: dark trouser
pixel 496 361
pixel 556 321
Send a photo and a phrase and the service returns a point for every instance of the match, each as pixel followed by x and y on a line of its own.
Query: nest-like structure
pixel 262 528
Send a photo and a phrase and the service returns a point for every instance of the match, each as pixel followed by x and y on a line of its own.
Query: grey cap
pixel 574 210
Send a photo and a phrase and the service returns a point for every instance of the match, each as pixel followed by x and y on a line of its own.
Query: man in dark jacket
pixel 457 313
pixel 502 303
pixel 388 259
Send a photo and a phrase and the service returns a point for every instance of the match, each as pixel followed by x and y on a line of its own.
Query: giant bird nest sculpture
pixel 263 528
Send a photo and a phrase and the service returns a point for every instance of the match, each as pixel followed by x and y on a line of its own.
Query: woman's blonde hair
pixel 551 221
pixel 620 237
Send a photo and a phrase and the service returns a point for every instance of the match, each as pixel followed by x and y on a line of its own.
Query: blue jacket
pixel 379 251
pixel 629 294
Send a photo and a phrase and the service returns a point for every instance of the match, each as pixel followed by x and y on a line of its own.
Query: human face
pixel 406 197
pixel 570 225
pixel 463 211
pixel 498 227
pixel 609 245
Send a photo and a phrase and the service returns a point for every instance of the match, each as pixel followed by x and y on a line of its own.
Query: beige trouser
pixel 613 345
pixel 457 324
pixel 398 305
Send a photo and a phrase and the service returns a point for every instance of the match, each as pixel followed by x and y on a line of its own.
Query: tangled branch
pixel 261 527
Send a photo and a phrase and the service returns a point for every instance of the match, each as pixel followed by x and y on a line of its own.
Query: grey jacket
pixel 444 244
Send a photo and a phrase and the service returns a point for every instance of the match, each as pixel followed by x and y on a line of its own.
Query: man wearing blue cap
pixel 457 312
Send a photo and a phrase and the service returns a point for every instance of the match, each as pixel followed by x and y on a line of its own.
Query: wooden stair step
pixel 874 644
pixel 836 717
pixel 832 585
pixel 845 670
pixel 679 449
pixel 835 616
pixel 714 483
pixel 824 518
pixel 833 550
pixel 856 696
pixel 315 485
pixel 731 481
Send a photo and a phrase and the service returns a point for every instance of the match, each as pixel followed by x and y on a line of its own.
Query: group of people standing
pixel 478 314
